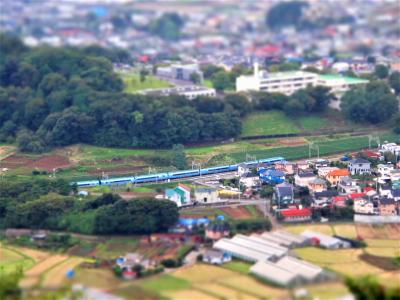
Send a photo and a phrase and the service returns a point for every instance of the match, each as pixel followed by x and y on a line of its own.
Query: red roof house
pixel 356 195
pixel 296 214
pixel 339 201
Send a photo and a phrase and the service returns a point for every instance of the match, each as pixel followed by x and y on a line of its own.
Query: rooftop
pixel 346 79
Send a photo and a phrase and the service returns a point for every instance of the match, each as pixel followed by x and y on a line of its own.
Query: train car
pixel 183 174
pixel 88 183
pixel 175 175
pixel 214 170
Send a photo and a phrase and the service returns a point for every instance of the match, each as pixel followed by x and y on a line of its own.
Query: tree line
pixel 45 204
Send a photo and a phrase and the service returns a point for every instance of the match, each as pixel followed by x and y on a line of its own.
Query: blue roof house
pixel 272 176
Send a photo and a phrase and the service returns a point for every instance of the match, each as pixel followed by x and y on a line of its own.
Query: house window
pixel 205 199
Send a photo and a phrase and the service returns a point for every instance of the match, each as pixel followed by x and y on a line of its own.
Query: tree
pixel 381 71
pixel 239 103
pixel 373 104
pixel 195 78
pixel 9 284
pixel 168 26
pixel 52 82
pixel 394 81
pixel 396 124
pixel 178 158
pixel 285 14
pixel 210 70
pixel 143 73
pixel 221 81
pixel 142 216
pixel 368 288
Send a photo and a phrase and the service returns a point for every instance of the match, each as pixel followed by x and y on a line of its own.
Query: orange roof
pixel 340 172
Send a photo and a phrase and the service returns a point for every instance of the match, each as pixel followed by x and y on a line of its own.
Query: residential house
pixel 395 194
pixel 390 147
pixel 249 180
pixel 206 195
pixel 283 194
pixel 363 206
pixel 286 167
pixel 317 185
pixel 387 206
pixel 385 190
pixel 296 215
pixel 303 178
pixel 243 169
pixel 359 166
pixel 395 175
pixel 217 230
pixel 323 171
pixel 334 176
pixel 347 185
pixel 180 195
pixel 130 260
pixel 324 198
pixel 339 201
pixel 385 169
pixel 303 166
pixel 216 257
pixel 272 176
pixel 320 163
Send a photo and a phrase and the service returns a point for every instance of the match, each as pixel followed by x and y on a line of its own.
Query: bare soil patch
pixel 239 212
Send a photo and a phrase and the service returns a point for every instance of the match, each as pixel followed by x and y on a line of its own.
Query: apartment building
pixel 280 82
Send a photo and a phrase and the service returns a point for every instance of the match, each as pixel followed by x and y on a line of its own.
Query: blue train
pixel 175 175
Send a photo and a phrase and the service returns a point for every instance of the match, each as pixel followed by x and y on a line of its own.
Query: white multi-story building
pixel 189 91
pixel 291 81
pixel 280 82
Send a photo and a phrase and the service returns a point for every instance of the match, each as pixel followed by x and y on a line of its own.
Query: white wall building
pixel 280 82
pixel 190 92
pixel 291 81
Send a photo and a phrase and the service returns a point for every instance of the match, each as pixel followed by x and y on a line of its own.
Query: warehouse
pixel 277 240
pixel 273 273
pixel 298 240
pixel 310 272
pixel 325 241
pixel 238 251
pixel 257 237
pixel 289 271
pixel 248 242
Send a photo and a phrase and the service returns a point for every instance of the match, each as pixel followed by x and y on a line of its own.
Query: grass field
pixel 311 123
pixel 133 84
pixel 271 122
pixel 238 266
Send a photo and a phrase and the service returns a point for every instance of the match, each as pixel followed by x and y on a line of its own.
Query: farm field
pixel 41 269
pixel 133 84
pixel 233 212
pixel 376 259
pixel 80 162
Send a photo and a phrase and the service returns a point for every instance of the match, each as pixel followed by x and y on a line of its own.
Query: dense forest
pixel 60 96
pixel 45 204
pixel 53 97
